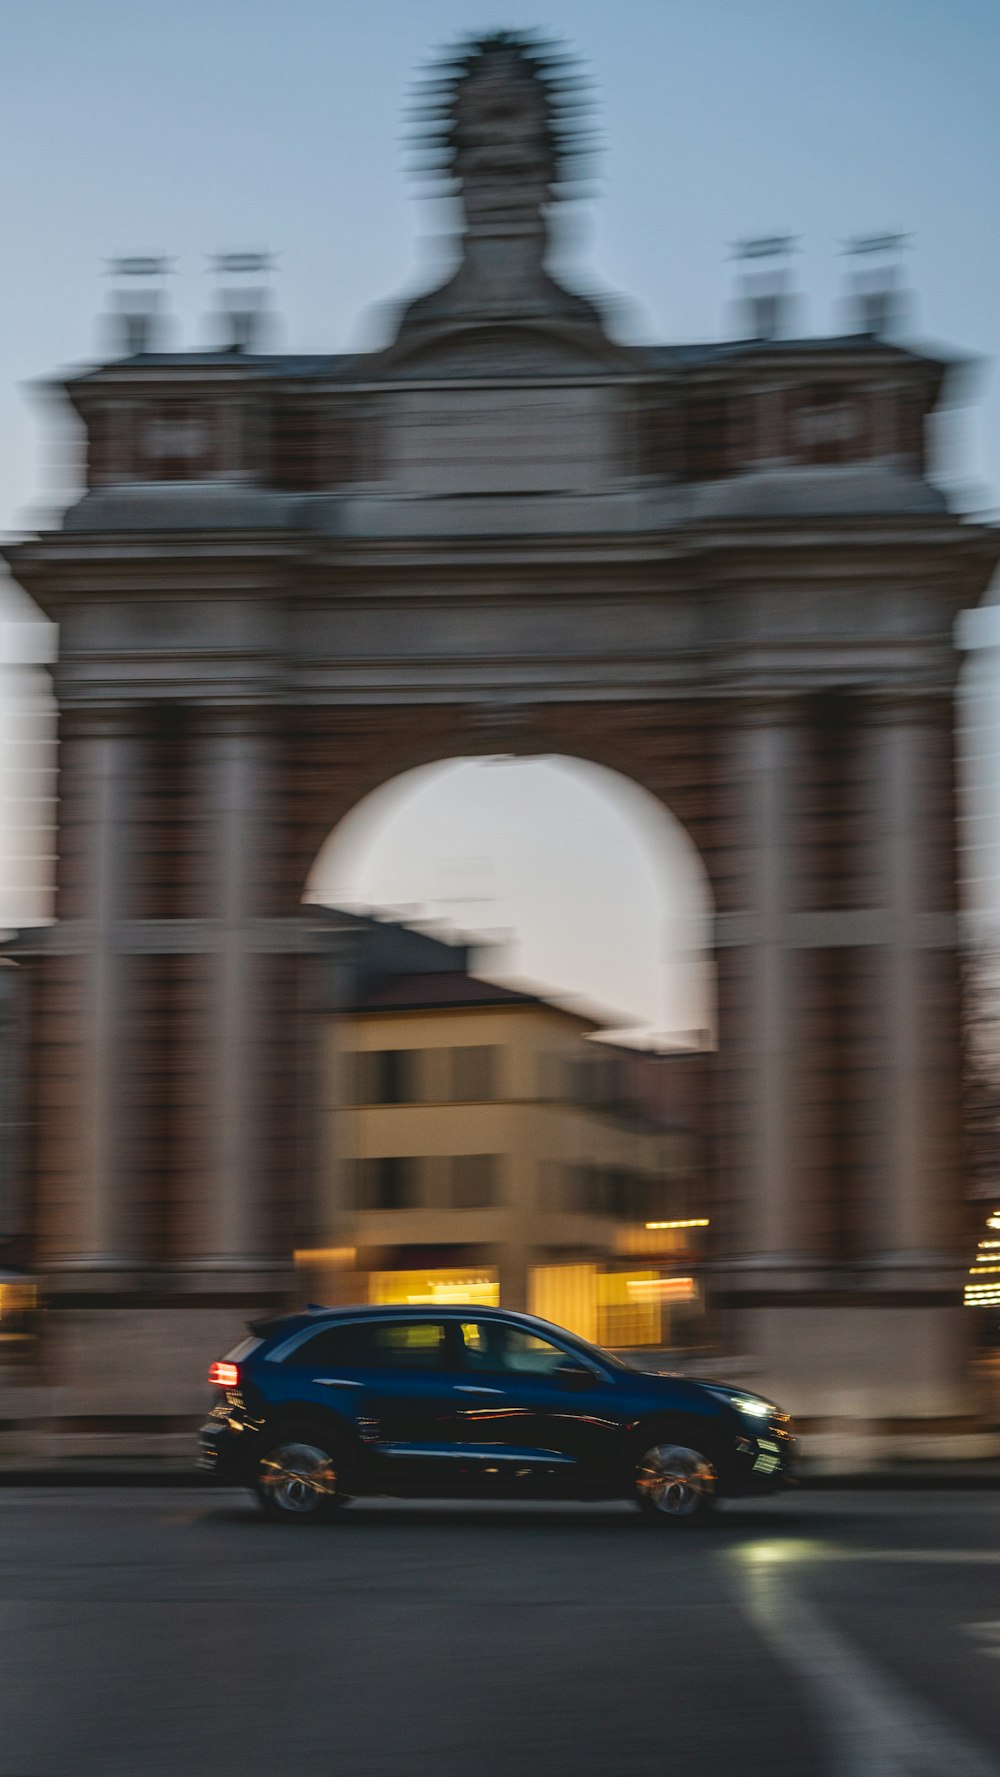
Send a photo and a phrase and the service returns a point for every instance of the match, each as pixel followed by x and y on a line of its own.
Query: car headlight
pixel 749 1404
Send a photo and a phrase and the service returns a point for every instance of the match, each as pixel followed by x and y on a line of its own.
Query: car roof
pixel 421 1311
pixel 317 1315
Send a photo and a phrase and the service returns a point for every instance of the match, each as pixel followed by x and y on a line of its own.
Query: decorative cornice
pixel 845 928
pixel 297 936
pixel 818 929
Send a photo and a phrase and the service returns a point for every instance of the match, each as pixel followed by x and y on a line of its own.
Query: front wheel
pixel 300 1480
pixel 674 1483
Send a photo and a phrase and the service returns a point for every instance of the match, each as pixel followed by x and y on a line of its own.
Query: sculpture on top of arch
pixel 504 122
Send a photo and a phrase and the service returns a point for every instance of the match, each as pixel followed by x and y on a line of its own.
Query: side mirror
pixel 574 1376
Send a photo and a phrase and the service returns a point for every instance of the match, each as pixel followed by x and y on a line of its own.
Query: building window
pixel 475 1181
pixel 828 425
pixel 474 1074
pixel 176 441
pixel 596 1082
pixel 591 1193
pixel 388 1076
pixel 389 1182
pixel 616 1191
pixel 631 1195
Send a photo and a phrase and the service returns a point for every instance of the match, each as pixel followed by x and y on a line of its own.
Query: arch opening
pixel 514 1069
pixel 568 874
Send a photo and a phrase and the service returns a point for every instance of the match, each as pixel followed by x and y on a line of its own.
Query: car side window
pixel 491 1345
pixel 408 1345
pixel 333 1348
pixel 375 1345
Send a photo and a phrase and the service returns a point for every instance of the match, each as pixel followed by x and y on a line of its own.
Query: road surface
pixel 151 1633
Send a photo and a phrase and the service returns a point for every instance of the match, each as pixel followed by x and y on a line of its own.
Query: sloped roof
pixel 442 990
pixel 445 990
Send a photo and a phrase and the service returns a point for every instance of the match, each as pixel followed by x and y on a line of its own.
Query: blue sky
pixel 188 127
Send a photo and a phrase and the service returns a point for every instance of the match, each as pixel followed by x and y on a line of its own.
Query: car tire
pixel 299 1477
pixel 675 1478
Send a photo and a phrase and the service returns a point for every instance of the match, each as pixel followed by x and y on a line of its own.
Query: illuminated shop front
pixel 437 1286
pixel 982 1289
pixel 615 1308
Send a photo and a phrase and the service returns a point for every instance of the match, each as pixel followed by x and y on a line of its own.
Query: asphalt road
pixel 155 1634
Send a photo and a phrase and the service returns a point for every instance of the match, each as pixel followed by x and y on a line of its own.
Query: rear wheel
pixel 674 1483
pixel 299 1479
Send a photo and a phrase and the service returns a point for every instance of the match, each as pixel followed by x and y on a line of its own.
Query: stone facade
pixel 720 570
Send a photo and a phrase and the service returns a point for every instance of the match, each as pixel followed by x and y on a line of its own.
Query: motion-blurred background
pixel 499 736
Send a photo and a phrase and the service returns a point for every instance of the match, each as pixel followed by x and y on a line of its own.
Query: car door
pixel 394 1382
pixel 409 1369
pixel 525 1406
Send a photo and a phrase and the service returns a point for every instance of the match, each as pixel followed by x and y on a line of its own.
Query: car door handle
pixel 470 1388
pixel 335 1382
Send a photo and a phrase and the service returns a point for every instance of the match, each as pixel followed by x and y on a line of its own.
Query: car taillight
pixel 224 1375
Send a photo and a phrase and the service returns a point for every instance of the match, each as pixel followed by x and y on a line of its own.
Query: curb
pixel 102 1477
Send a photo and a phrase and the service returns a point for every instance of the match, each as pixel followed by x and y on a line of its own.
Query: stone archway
pixel 290 579
pixel 198 981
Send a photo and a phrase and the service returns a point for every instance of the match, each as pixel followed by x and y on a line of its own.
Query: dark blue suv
pixel 481 1403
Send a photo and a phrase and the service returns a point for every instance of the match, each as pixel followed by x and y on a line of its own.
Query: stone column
pixel 233 766
pixel 13 1206
pixel 916 1132
pixel 110 759
pixel 764 771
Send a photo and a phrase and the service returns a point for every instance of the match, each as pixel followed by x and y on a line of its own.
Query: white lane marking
pixel 988 1635
pixel 941 1557
pixel 793 1550
pixel 872 1728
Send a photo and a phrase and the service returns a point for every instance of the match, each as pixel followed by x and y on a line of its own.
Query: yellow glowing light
pixel 981 1270
pixel 325 1255
pixel 435 1287
pixel 989 1243
pixel 471 1289
pixel 16 1298
pixel 674 1288
pixel 993 1221
pixel 693 1222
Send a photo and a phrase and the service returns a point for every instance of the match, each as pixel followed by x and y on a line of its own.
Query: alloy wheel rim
pixel 298 1477
pixel 675 1480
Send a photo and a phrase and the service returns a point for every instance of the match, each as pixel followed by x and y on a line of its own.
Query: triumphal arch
pixel 720 569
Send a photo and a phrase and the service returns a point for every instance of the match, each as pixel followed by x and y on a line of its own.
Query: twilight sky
pixel 188 127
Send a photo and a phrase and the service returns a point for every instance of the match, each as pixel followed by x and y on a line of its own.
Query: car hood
pixel 716 1384
pixel 685 1376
